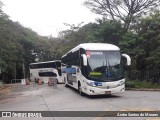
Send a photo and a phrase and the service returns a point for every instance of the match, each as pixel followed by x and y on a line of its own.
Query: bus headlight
pixel 91 83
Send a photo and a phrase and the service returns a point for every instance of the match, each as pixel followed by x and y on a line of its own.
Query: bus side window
pixel 73 70
pixel 77 70
pixel 63 70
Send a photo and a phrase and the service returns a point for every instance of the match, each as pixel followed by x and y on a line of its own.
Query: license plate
pixel 107 92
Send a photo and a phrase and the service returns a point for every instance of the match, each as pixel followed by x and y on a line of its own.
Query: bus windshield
pixel 104 66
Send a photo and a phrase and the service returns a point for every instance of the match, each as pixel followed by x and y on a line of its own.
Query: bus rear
pixel 45 70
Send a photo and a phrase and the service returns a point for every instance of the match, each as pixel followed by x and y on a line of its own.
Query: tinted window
pixel 43 65
pixel 47 74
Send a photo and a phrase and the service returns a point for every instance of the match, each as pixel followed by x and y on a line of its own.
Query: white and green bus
pixel 95 68
pixel 46 70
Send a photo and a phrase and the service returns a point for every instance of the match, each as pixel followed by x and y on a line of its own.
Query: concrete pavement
pixel 35 97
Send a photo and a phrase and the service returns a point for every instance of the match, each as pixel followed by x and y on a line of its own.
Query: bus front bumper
pixel 89 90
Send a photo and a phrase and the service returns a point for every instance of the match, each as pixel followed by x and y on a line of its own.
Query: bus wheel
pixel 80 90
pixel 65 82
pixel 57 81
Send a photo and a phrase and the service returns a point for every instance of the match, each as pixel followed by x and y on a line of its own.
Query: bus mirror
pixel 84 59
pixel 128 59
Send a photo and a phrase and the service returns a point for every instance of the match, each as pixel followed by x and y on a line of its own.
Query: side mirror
pixel 128 59
pixel 84 59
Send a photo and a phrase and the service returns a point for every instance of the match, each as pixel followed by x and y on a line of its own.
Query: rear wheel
pixel 57 81
pixel 65 82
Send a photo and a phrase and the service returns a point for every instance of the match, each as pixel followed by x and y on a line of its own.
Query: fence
pixel 18 80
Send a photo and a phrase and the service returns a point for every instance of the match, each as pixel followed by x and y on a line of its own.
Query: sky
pixel 47 17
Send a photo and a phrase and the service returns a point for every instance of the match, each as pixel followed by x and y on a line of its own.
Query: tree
pixel 18 46
pixel 109 32
pixel 124 10
pixel 149 43
pixel 143 45
pixel 1 5
pixel 75 35
pixel 2 14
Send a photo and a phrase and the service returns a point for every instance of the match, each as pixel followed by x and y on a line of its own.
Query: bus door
pixel 71 76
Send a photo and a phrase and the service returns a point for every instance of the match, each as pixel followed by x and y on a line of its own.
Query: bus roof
pixel 45 62
pixel 95 46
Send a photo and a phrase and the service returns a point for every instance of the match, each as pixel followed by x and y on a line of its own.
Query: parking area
pixel 36 97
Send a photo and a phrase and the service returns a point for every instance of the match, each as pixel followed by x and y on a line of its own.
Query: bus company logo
pixel 88 54
pixel 6 114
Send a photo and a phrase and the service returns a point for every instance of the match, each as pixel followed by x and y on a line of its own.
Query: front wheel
pixel 80 90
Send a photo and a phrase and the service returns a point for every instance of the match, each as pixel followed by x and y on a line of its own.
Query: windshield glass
pixel 104 65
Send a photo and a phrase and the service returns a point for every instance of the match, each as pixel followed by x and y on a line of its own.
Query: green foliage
pixel 128 42
pixel 109 32
pixel 73 37
pixel 106 31
pixel 141 85
pixel 20 45
pixel 149 42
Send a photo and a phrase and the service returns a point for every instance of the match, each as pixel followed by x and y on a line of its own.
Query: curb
pixel 142 89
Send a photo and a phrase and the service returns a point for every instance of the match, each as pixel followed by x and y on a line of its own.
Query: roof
pixel 46 62
pixel 95 46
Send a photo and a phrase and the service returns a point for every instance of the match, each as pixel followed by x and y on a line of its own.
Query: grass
pixel 141 84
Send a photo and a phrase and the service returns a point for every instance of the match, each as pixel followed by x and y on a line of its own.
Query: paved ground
pixel 51 98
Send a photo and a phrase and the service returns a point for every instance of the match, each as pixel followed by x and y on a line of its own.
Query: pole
pixel 23 71
pixel 15 71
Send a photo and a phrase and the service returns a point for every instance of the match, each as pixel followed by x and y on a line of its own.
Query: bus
pixel 45 70
pixel 95 68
